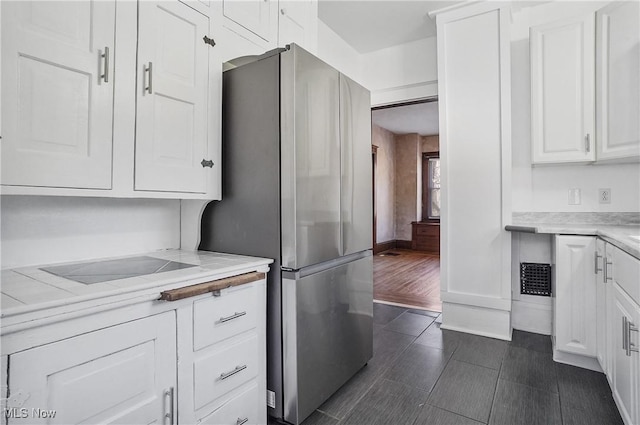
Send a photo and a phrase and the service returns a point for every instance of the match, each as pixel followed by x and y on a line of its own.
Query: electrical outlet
pixel 574 197
pixel 604 196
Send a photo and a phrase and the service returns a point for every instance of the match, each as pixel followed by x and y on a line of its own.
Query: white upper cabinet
pixel 297 23
pixel 618 80
pixel 253 15
pixel 114 102
pixel 562 91
pixel 57 93
pixel 172 113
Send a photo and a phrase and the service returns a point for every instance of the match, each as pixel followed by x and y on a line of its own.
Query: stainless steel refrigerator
pixel 297 188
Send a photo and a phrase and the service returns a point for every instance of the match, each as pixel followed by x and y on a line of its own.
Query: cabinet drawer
pixel 242 409
pixel 218 318
pixel 220 371
pixel 428 230
pixel 626 273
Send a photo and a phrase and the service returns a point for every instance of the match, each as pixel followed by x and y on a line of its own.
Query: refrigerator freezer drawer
pixel 328 333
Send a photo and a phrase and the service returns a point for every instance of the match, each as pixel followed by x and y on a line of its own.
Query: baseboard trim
pixel 584 362
pixel 384 246
pixel 402 244
pixel 536 318
pixel 476 320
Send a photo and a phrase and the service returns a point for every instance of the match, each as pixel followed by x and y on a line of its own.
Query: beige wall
pixel 385 184
pixel 398 181
pixel 408 191
pixel 430 143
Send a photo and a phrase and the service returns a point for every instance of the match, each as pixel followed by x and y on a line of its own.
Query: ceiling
pixel 369 25
pixel 421 118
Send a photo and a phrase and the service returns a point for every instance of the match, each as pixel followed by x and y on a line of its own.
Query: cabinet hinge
pixel 209 41
pixel 207 163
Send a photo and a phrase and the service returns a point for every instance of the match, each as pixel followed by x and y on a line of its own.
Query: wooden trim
pixel 214 285
pixel 374 149
pixel 402 244
pixel 384 246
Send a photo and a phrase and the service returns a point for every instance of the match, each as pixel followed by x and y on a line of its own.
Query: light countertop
pixel 625 237
pixel 30 289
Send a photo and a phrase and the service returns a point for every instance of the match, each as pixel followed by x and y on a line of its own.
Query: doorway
pixel 406 219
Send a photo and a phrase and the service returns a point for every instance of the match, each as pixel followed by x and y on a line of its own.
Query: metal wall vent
pixel 535 279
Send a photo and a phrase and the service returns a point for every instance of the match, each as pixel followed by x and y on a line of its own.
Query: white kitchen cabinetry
pixel 562 91
pixel 253 15
pixel 57 93
pixel 172 112
pixel 574 296
pixel 297 23
pixel 137 359
pixel 128 369
pixel 624 272
pixel 81 120
pixel 603 295
pixel 618 80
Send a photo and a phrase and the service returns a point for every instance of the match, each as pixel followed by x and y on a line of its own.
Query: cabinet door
pixel 57 93
pixel 625 364
pixel 562 91
pixel 618 80
pixel 575 292
pixel 121 374
pixel 601 305
pixel 295 23
pixel 171 126
pixel 254 15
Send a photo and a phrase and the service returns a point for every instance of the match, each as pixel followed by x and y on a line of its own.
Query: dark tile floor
pixel 423 375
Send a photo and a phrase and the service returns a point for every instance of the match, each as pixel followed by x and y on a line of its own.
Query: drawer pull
pixel 242 421
pixel 213 286
pixel 237 369
pixel 233 316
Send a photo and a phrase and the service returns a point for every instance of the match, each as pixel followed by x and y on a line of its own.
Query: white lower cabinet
pixel 575 295
pixel 602 306
pixel 195 360
pixel 624 273
pixel 121 374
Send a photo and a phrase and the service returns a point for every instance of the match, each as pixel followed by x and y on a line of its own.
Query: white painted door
pixel 625 365
pixel 57 93
pixel 172 112
pixel 575 295
pixel 562 91
pixel 254 15
pixel 121 374
pixel 618 80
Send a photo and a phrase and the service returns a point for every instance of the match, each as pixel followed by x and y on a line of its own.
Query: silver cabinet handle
pixel 233 316
pixel 237 369
pixel 148 73
pixel 596 270
pixel 587 142
pixel 168 407
pixel 606 265
pixel 105 56
pixel 624 333
pixel 242 421
pixel 630 345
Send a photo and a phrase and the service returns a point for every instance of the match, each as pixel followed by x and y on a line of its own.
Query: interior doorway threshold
pixel 414 307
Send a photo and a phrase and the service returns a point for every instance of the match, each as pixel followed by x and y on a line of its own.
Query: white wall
pixel 41 230
pixel 405 72
pixel 545 188
pixel 336 52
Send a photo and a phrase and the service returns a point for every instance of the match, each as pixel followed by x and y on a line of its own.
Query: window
pixel 431 186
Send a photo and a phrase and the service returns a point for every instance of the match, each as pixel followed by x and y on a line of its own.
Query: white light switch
pixel 574 197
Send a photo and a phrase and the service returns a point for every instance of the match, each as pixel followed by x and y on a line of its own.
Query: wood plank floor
pixel 411 278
